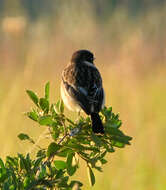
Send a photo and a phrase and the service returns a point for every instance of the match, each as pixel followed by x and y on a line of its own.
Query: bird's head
pixel 81 56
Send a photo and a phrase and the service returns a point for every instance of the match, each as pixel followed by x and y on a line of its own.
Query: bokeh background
pixel 128 37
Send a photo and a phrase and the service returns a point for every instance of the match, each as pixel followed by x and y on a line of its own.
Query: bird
pixel 82 89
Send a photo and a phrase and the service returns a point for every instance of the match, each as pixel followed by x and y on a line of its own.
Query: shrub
pixel 70 142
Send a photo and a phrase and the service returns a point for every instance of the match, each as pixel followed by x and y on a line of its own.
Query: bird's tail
pixel 97 125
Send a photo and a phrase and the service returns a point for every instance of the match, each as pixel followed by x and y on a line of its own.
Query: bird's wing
pixel 84 84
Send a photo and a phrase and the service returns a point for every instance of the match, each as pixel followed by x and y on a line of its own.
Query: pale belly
pixel 69 102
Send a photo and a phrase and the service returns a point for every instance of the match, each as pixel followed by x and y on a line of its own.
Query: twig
pixel 52 157
pixel 63 138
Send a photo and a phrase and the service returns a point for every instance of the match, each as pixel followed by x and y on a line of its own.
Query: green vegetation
pixel 69 142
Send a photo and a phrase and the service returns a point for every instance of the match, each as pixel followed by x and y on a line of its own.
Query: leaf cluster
pixel 71 141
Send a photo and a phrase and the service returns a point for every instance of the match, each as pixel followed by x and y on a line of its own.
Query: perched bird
pixel 81 87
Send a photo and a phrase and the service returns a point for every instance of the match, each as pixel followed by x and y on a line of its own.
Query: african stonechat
pixel 81 87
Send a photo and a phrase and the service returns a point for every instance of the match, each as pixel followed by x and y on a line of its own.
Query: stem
pixel 52 157
pixel 63 138
pixel 83 157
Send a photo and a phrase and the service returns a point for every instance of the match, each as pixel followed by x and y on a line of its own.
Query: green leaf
pixel 37 164
pixel 96 139
pixel 44 104
pixel 98 168
pixel 47 90
pixel 118 144
pixel 108 112
pixel 42 172
pixel 110 149
pixel 52 149
pixel 60 174
pixel 74 182
pixel 12 187
pixel 60 106
pixel 85 156
pixel 1 164
pixel 113 131
pixel 27 181
pixel 33 96
pixel 63 182
pixel 69 159
pixel 3 171
pixel 45 120
pixel 118 123
pixel 53 110
pixel 60 165
pixel 41 153
pixel 57 106
pixel 55 134
pixel 28 162
pixel 70 121
pixel 24 164
pixel 121 139
pixel 76 147
pixel 91 176
pixel 33 115
pixel 103 154
pixel 70 169
pixel 128 138
pixel 12 162
pixel 103 161
pixel 64 152
pixel 23 136
pixel 3 175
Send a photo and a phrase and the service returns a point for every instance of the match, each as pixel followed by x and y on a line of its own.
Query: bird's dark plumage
pixel 97 125
pixel 82 84
pixel 82 55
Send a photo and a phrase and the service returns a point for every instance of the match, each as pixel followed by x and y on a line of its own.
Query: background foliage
pixel 127 37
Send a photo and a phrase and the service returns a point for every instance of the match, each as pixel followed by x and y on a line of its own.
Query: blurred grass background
pixel 128 37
